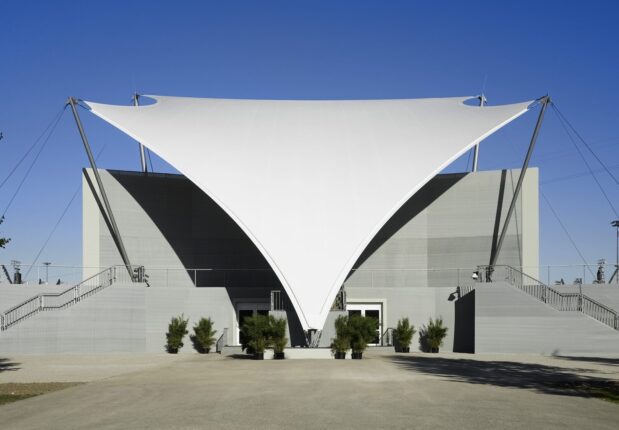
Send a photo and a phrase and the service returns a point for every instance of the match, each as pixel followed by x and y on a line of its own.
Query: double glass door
pixel 245 310
pixel 371 310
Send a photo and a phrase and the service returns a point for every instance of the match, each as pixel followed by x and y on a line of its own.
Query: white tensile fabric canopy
pixel 310 182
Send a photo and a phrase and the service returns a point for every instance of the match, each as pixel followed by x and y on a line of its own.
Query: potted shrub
pixel 256 331
pixel 177 329
pixel 403 335
pixel 431 336
pixel 204 335
pixel 278 336
pixel 361 331
pixel 341 342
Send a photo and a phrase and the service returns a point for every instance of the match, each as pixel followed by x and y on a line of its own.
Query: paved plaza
pixel 190 391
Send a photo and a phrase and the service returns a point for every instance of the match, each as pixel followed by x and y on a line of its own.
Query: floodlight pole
pixel 114 227
pixel 544 101
pixel 482 102
pixel 136 103
pixel 616 273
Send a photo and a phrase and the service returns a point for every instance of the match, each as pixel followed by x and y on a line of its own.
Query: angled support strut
pixel 136 103
pixel 114 227
pixel 544 101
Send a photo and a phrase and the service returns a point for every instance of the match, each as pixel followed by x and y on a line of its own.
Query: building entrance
pixel 245 310
pixel 372 310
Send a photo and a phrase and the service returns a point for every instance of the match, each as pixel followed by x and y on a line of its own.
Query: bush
pixel 361 331
pixel 177 329
pixel 403 334
pixel 277 336
pixel 256 333
pixel 431 336
pixel 204 335
pixel 341 342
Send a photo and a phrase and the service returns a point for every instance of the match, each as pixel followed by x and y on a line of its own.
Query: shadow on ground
pixel 241 356
pixel 7 365
pixel 598 360
pixel 531 376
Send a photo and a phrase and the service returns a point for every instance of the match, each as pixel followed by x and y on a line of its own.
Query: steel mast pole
pixel 136 103
pixel 115 232
pixel 616 274
pixel 482 101
pixel 495 252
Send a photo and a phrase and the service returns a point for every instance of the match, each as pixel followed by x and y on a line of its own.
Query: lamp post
pixel 615 224
pixel 46 264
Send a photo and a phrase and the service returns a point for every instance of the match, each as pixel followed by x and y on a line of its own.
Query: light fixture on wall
pixel 455 295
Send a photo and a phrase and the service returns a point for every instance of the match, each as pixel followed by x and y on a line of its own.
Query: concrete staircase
pixel 110 321
pixel 50 301
pixel 508 320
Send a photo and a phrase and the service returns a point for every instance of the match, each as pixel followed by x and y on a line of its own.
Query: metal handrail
pixel 560 301
pixel 219 345
pixel 466 289
pixel 388 335
pixel 63 299
pixel 277 301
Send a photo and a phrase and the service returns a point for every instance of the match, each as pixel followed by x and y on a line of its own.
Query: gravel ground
pixel 381 391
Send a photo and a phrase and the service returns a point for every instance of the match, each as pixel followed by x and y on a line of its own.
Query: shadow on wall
pixel 7 365
pixel 202 235
pixel 409 210
pixel 531 376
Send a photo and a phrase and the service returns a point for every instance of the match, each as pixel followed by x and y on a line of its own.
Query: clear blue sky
pixel 104 51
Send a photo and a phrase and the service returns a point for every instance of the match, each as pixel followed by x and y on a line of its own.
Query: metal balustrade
pixel 386 339
pixel 221 342
pixel 577 302
pixel 68 297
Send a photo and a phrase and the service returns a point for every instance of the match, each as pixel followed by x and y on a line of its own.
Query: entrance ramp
pixel 508 320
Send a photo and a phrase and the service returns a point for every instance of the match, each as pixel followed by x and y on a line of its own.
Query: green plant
pixel 403 334
pixel 277 336
pixel 177 329
pixel 204 335
pixel 256 333
pixel 3 240
pixel 341 342
pixel 361 331
pixel 431 336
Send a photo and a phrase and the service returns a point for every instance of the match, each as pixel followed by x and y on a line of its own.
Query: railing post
pixel 584 273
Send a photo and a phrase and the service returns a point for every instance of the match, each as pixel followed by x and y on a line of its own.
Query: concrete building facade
pixel 432 245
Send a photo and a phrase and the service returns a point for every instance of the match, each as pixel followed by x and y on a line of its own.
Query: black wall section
pixel 464 324
pixel 203 236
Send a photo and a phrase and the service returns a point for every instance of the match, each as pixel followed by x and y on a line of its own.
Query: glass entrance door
pixel 371 310
pixel 245 310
